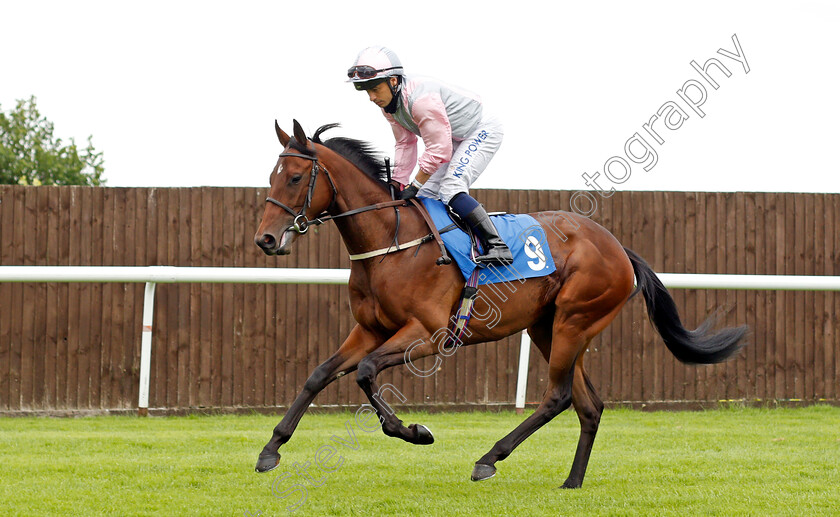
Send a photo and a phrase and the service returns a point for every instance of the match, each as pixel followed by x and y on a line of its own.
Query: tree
pixel 31 155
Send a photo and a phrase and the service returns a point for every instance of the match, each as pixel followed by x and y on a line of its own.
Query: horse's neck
pixel 374 229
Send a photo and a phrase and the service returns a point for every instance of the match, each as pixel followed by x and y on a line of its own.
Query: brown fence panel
pixel 76 346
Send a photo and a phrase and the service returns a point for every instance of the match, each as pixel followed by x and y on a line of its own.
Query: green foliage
pixel 31 155
pixel 731 462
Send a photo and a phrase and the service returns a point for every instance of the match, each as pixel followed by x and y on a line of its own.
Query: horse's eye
pixel 295 179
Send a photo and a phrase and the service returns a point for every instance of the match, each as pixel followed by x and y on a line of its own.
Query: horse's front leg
pixel 416 339
pixel 357 345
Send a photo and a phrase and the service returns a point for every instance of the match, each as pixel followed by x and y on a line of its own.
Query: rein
pixel 301 224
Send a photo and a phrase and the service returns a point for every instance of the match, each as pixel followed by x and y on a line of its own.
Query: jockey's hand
pixel 409 192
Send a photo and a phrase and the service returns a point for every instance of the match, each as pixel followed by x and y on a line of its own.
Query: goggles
pixel 366 72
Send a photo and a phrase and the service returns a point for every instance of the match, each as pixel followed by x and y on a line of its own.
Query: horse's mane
pixel 359 153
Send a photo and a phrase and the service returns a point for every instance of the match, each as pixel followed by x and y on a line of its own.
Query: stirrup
pixel 501 260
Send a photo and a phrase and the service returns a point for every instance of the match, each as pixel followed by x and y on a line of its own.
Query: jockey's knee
pixel 462 203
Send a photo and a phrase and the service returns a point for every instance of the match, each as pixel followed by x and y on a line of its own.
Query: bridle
pixel 301 223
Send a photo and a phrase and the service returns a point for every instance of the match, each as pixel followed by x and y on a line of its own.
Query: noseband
pixel 301 223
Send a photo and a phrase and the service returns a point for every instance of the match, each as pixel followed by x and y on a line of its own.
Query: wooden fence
pixel 76 346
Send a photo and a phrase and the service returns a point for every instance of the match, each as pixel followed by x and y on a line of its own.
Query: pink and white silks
pixel 459 135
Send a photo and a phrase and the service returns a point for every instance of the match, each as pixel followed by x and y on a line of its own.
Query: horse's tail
pixel 689 346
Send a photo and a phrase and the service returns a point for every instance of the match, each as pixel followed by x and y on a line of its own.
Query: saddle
pixel 457 223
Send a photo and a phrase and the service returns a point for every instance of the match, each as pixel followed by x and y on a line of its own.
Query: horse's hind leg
pixel 566 344
pixel 586 402
pixel 589 408
pixel 571 332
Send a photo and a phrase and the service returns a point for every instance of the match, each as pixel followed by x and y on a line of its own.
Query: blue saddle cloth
pixel 522 233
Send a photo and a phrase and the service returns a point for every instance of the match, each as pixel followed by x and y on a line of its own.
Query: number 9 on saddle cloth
pixel 522 233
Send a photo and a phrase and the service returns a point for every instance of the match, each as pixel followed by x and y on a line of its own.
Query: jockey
pixel 459 135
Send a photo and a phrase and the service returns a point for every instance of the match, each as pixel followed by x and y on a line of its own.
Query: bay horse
pixel 401 298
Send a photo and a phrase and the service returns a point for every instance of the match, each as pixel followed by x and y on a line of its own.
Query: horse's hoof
pixel 481 472
pixel 422 435
pixel 570 485
pixel 267 463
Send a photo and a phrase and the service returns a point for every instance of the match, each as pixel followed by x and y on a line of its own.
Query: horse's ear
pixel 281 135
pixel 300 135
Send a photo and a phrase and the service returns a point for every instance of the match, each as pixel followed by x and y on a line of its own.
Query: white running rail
pixel 153 275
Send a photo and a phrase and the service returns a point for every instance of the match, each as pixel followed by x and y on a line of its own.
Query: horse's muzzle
pixel 271 246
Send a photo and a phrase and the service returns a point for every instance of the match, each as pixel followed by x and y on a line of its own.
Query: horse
pixel 399 299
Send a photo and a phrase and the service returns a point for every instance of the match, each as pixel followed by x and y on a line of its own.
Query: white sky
pixel 186 93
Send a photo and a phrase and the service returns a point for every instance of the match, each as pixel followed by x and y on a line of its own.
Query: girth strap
pixel 444 256
pixel 392 248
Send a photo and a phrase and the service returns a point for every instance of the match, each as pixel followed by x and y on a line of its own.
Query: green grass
pixel 725 462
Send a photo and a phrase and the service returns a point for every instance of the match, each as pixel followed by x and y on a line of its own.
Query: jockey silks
pixel 460 137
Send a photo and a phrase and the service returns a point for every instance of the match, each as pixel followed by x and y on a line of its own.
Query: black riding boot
pixel 495 249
